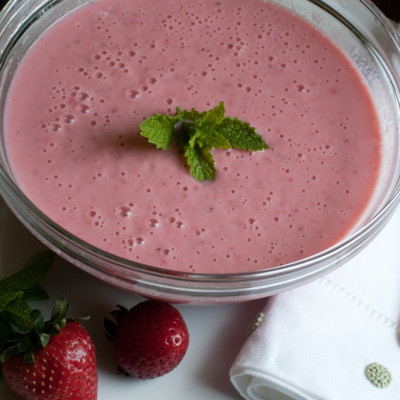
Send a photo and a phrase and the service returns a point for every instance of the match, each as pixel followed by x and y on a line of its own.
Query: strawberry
pixel 43 360
pixel 150 339
pixel 64 369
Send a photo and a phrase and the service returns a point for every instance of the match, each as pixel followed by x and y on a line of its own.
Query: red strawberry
pixel 64 369
pixel 43 360
pixel 150 339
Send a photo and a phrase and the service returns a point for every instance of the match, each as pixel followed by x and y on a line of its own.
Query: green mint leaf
pixel 208 138
pixel 213 117
pixel 159 129
pixel 241 135
pixel 7 297
pixel 215 139
pixel 207 120
pixel 201 163
pixel 18 313
pixel 203 131
pixel 192 115
pixel 30 275
pixel 199 133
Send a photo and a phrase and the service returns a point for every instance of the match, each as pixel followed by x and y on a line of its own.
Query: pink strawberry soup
pixel 80 93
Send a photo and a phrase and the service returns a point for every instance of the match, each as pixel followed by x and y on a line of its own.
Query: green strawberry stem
pixel 110 326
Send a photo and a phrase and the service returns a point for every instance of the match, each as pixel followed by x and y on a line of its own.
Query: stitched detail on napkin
pixel 373 312
pixel 255 323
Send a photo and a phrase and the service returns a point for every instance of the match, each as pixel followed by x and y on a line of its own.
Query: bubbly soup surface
pixel 79 95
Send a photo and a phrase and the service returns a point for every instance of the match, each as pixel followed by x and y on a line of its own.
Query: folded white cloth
pixel 314 342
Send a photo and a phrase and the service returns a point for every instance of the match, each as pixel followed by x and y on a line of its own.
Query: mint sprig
pixel 199 133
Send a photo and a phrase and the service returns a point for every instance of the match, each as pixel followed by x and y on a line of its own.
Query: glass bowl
pixel 356 26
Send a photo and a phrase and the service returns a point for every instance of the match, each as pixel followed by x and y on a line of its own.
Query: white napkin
pixel 315 341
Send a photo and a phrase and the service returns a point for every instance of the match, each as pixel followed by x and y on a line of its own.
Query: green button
pixel 378 375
